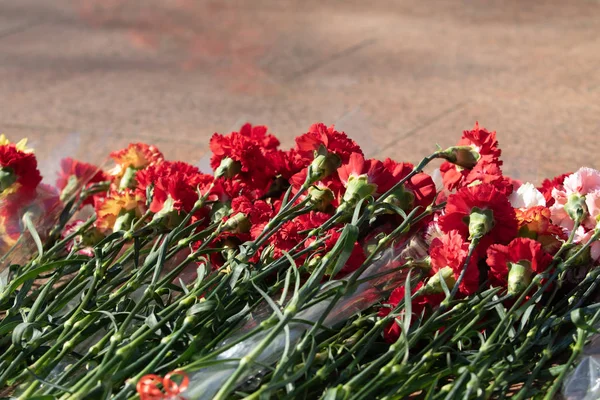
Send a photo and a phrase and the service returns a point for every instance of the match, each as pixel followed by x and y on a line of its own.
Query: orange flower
pixel 535 223
pixel 136 156
pixel 118 207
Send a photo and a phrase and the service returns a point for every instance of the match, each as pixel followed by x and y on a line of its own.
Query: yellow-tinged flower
pixel 135 156
pixel 118 210
pixel 20 145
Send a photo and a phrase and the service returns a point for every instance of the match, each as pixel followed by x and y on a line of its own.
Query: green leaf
pixel 203 306
pixel 25 332
pixel 34 273
pixel 34 234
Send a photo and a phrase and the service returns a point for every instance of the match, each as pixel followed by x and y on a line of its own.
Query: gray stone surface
pixel 84 77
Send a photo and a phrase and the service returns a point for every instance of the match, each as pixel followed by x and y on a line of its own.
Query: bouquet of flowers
pixel 312 272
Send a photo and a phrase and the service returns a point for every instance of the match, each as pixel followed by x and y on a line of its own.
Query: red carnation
pixel 451 251
pixel 243 152
pixel 357 257
pixel 18 171
pixel 335 142
pixel 549 184
pixel 420 185
pixel 177 181
pixel 419 305
pixel 361 176
pixel 258 213
pixel 75 174
pixel 485 145
pixel 481 197
pixel 503 260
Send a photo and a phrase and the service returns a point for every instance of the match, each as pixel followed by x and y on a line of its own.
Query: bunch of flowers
pixel 298 273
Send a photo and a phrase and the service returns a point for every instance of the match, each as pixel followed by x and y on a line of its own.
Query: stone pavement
pixel 87 76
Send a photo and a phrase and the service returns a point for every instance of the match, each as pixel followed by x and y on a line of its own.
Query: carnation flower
pixel 258 213
pixel 363 178
pixel 583 236
pixel 513 266
pixel 418 190
pixel 549 184
pixel 21 145
pixel 174 186
pixel 75 174
pixel 527 196
pixel 420 305
pixel 118 210
pixel 535 223
pixel 484 145
pixel 239 153
pixel 479 199
pixel 570 201
pixel 335 142
pixel 134 157
pixel 82 242
pixel 18 171
pixel 448 256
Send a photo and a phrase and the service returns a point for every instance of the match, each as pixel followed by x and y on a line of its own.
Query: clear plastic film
pixel 377 285
pixel 583 383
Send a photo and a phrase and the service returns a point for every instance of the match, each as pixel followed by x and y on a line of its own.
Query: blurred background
pixel 85 77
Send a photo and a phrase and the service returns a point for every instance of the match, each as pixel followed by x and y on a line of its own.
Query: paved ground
pixel 83 77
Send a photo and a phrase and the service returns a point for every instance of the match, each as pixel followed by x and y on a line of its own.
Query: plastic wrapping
pixel 583 383
pixel 205 382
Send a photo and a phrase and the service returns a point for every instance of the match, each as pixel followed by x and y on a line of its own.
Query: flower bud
pixel 357 188
pixel 7 178
pixel 322 166
pixel 480 222
pixel 238 223
pixel 576 208
pixel 228 168
pixel 320 198
pixel 434 284
pixel 519 277
pixel 401 198
pixel 128 178
pixel 463 156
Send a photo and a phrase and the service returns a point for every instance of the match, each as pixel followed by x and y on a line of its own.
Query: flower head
pixel 449 254
pixel 513 266
pixel 418 190
pixel 174 185
pixel 527 196
pixel 334 142
pixel 362 178
pixel 135 156
pixel 486 199
pixel 18 171
pixel 549 184
pixel 75 174
pixel 118 210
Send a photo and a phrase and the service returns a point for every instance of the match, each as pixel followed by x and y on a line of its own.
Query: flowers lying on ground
pixel 286 224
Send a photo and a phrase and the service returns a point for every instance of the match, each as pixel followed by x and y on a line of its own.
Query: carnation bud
pixel 320 198
pixel 124 222
pixel 228 168
pixel 402 198
pixel 7 178
pixel 519 277
pixel 323 165
pixel 357 188
pixel 463 156
pixel 219 211
pixel 434 284
pixel 128 178
pixel 480 222
pixel 576 208
pixel 239 223
pixel 583 259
